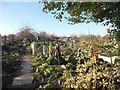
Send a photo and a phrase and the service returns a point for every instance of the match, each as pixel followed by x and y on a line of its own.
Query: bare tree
pixel 26 34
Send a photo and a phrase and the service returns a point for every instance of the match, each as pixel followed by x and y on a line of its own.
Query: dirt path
pixel 24 77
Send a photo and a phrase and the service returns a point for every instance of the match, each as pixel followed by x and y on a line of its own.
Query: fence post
pixel 58 52
pixel 50 50
pixel 33 48
pixel 44 50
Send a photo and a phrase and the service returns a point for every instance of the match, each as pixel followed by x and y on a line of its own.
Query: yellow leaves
pixel 105 74
pixel 90 55
pixel 89 76
pixel 36 74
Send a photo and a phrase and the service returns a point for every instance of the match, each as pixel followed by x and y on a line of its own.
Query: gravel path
pixel 24 77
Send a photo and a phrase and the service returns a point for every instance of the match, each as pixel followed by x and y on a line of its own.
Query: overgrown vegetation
pixel 82 71
pixel 73 69
pixel 12 53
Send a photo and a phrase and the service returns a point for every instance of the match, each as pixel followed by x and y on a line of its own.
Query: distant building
pixel 11 37
pixel 65 39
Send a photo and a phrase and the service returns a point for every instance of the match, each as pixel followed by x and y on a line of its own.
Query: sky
pixel 14 15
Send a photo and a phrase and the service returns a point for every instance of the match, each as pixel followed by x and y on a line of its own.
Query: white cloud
pixel 6 31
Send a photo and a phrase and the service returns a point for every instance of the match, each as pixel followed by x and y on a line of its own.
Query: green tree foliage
pixel 76 12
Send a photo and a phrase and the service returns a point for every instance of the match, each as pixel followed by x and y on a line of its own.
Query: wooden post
pixel 44 50
pixel 50 50
pixel 95 55
pixel 58 52
pixel 79 50
pixel 33 48
pixel 5 38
